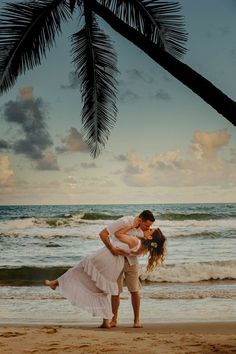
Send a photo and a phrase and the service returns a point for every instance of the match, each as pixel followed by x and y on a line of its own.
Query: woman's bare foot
pixel 51 283
pixel 105 324
pixel 137 324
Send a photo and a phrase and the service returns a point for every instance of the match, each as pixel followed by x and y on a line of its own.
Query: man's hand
pixel 116 251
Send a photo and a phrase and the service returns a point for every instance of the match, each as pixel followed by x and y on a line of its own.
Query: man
pixel 131 271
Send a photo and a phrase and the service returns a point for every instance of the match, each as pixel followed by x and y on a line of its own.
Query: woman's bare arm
pixel 122 236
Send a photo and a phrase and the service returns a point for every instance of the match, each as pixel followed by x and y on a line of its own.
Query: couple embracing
pixel 96 282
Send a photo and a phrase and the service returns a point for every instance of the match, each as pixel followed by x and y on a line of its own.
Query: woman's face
pixel 148 234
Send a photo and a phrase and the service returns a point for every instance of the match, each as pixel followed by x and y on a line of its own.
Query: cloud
pixel 224 31
pixel 7 177
pixel 167 77
pixel 4 144
pixel 88 165
pixel 128 96
pixel 205 165
pixel 207 145
pixel 29 114
pixel 162 95
pixel 139 75
pixel 73 142
pixel 232 158
pixel 118 172
pixel 121 157
pixel 74 82
pixel 47 163
pixel 71 169
pixel 71 180
pixel 134 77
pixel 71 183
pixel 26 93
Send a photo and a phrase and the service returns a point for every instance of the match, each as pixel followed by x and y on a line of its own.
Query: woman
pixel 90 284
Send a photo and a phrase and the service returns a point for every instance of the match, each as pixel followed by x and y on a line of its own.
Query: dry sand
pixel 188 338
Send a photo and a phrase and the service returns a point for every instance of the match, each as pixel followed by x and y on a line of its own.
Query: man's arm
pixel 104 235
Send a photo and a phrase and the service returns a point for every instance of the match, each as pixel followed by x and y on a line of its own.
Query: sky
pixel 167 146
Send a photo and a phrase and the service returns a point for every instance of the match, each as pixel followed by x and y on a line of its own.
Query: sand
pixel 179 338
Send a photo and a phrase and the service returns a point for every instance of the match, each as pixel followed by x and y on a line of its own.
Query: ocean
pixel 197 282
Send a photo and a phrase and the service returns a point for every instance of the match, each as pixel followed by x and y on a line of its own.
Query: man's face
pixel 145 224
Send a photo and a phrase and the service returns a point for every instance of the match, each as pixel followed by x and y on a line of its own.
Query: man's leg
pixel 115 300
pixel 135 298
pixel 133 285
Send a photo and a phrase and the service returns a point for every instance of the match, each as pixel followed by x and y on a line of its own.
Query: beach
pixel 175 338
pixel 188 304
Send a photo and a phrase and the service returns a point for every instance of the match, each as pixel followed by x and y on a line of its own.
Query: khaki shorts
pixel 131 275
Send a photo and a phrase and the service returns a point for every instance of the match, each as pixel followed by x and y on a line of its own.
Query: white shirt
pixel 119 224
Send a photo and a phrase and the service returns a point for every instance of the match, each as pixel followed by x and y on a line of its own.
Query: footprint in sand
pixel 49 330
pixel 11 334
pixel 69 347
pixel 51 349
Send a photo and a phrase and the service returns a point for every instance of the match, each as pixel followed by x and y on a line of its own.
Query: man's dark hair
pixel 147 215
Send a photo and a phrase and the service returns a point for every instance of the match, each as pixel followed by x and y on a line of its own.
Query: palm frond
pixel 158 20
pixel 27 30
pixel 73 3
pixel 95 65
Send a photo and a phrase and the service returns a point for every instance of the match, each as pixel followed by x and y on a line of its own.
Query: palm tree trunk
pixel 190 78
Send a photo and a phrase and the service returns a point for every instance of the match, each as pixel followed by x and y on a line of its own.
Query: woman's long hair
pixel 156 246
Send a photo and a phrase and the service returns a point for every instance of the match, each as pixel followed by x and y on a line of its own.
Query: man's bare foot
pixel 113 323
pixel 137 324
pixel 51 283
pixel 105 324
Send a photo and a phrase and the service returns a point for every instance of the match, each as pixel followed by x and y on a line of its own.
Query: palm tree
pixel 28 30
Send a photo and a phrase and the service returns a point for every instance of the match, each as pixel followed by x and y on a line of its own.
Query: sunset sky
pixel 168 146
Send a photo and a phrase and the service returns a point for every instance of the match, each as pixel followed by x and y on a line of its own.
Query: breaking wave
pixel 175 273
pixel 192 272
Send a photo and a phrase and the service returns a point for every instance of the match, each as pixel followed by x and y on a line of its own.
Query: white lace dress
pixel 91 284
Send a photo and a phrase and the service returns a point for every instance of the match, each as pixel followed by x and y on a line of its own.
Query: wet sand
pixel 177 338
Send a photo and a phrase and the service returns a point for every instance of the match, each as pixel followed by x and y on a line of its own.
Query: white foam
pixel 191 272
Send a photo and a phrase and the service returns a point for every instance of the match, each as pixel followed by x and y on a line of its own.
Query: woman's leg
pixel 52 283
pixel 105 323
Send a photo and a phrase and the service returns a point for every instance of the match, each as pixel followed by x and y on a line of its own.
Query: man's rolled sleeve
pixel 119 224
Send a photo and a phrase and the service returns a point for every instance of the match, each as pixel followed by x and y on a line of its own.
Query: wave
pixel 91 231
pixel 191 272
pixel 189 216
pixel 196 216
pixel 191 295
pixel 175 273
pixel 100 216
pixel 41 293
pixel 202 234
pixel 29 276
pixel 62 220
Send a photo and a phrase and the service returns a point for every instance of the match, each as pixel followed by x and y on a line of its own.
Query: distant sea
pixel 197 282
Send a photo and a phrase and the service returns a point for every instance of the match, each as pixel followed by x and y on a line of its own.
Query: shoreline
pixel 168 338
pixel 212 326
